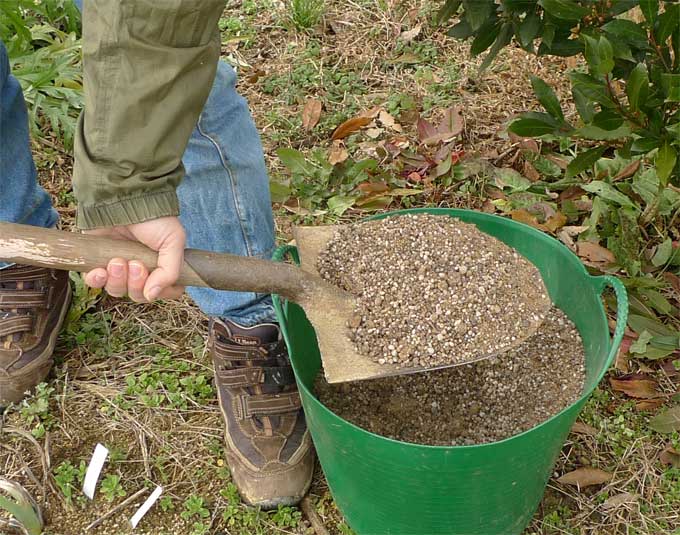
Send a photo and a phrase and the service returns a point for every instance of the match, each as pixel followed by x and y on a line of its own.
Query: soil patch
pixel 475 403
pixel 432 290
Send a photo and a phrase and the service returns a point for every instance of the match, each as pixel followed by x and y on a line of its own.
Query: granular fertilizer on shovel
pixel 432 290
pixel 485 401
pixel 413 315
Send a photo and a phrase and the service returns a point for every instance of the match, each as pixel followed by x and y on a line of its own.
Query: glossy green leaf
pixel 609 193
pixel 564 9
pixel 665 162
pixel 671 86
pixel 584 161
pixel 608 120
pixel 485 38
pixel 477 12
pixel 663 253
pixel 583 104
pixel 592 88
pixel 504 37
pixel 628 31
pixel 461 31
pixel 533 126
pixel 650 10
pixel 529 29
pixel 599 54
pixel 637 87
pixel 448 10
pixel 669 21
pixel 547 97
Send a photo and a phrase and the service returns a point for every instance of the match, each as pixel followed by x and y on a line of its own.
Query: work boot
pixel 33 304
pixel 268 447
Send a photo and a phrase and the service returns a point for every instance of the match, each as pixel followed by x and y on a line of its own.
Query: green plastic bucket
pixel 384 486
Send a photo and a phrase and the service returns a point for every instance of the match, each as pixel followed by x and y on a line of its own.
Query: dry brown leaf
pixel 530 145
pixel 566 239
pixel 410 35
pixel 338 153
pixel 350 126
pixel 670 456
pixel 622 359
pixel 571 193
pixel 488 207
pixel 594 252
pixel 311 113
pixel 628 171
pixel 387 120
pixel 636 386
pixel 371 113
pixel 555 222
pixel 674 280
pixel 585 477
pixel 584 429
pixel 559 162
pixel 618 500
pixel 649 404
pixel 524 216
pixel 374 133
pixel 530 172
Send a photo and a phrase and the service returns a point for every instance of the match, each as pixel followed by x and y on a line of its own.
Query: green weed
pixel 111 488
pixel 35 410
pixel 69 478
pixel 305 14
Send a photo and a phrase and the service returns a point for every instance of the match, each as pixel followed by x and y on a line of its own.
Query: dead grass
pixel 180 447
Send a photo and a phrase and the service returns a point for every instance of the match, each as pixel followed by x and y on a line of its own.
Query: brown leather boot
pixel 33 304
pixel 268 446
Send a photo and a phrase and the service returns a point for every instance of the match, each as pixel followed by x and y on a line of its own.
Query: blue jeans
pixel 224 198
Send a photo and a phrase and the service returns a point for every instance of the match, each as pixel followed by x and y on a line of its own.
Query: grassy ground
pixel 137 378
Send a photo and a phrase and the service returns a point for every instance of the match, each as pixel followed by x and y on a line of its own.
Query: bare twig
pixel 121 505
pixel 311 514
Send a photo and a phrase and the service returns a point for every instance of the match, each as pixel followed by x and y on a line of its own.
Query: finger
pixel 137 275
pixel 170 258
pixel 173 292
pixel 96 278
pixel 116 284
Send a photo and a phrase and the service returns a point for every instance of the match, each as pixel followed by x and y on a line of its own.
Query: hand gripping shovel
pixel 329 309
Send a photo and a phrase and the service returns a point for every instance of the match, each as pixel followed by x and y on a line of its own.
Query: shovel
pixel 329 309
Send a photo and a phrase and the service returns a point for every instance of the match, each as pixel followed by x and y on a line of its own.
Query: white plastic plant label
pixel 148 504
pixel 94 469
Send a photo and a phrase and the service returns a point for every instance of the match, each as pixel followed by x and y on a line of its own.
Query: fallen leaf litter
pixel 432 290
pixel 475 403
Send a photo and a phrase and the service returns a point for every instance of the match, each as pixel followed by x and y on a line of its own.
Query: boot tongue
pixel 265 333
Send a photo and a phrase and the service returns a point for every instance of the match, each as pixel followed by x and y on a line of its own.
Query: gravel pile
pixel 474 403
pixel 432 290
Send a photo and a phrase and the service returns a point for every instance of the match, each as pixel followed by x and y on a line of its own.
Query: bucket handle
pixel 601 283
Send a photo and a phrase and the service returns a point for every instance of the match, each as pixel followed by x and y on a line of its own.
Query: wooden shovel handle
pixel 23 244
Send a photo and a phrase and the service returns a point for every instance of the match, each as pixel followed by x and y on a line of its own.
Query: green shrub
pixel 44 48
pixel 644 56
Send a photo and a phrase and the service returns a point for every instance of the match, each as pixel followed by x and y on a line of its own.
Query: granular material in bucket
pixel 432 290
pixel 475 403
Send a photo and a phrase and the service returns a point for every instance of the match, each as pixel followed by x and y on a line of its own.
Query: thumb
pixel 170 259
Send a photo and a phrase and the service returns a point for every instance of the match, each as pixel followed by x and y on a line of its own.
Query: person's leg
pixel 225 206
pixel 224 198
pixel 22 200
pixel 33 301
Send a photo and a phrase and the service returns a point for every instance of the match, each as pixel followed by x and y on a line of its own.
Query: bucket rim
pixel 598 283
